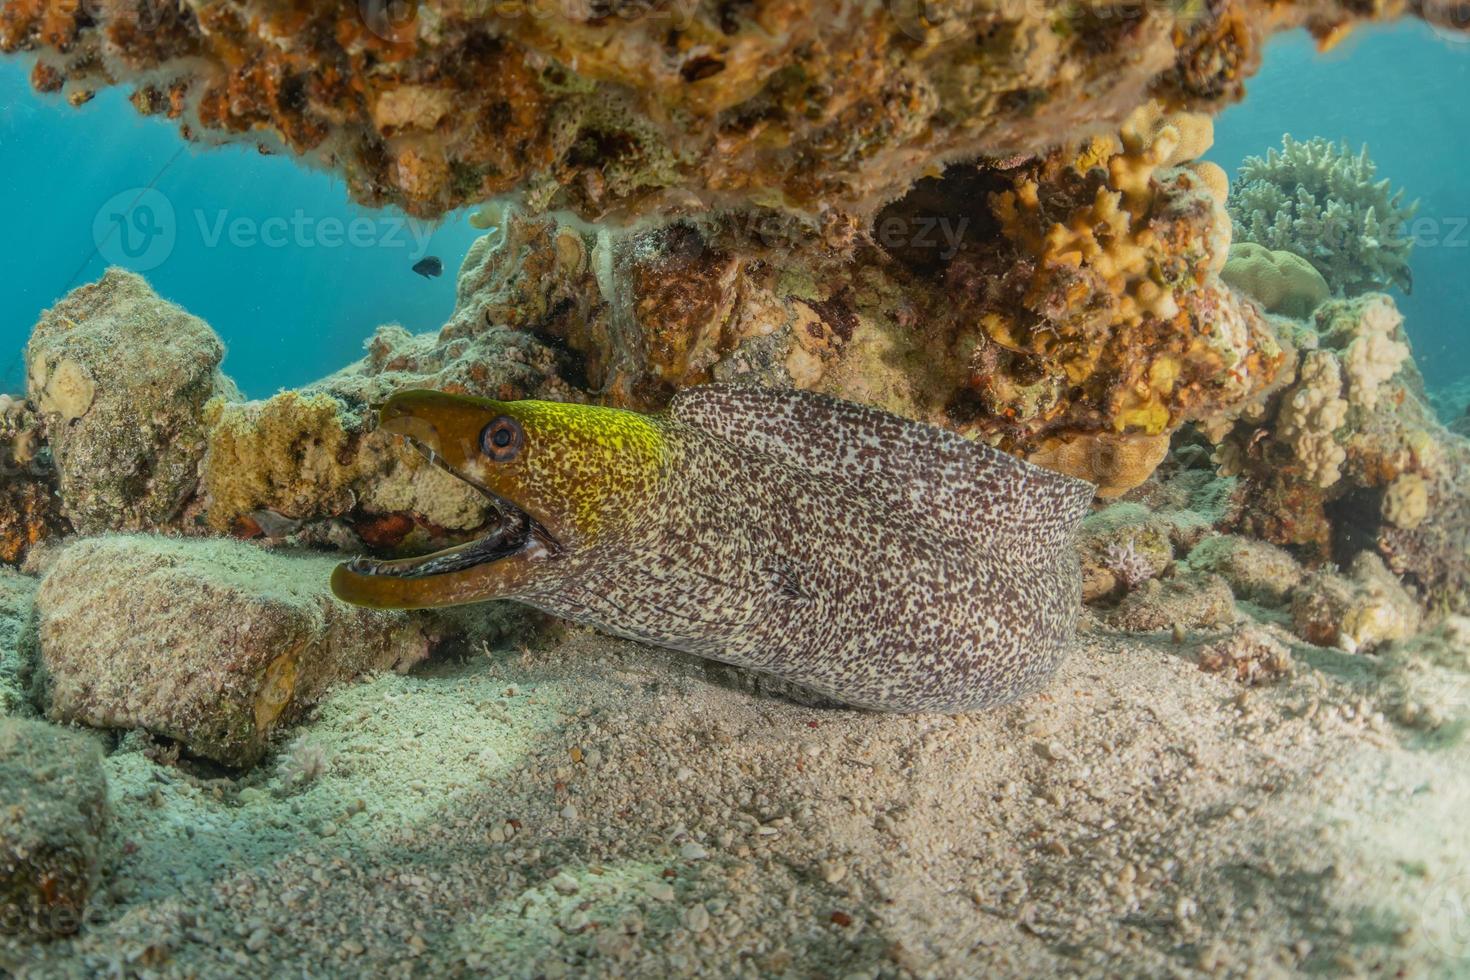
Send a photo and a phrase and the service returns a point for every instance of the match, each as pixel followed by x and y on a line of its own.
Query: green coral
pixel 1320 201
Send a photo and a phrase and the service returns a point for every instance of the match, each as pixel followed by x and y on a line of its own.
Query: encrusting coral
pixel 804 106
pixel 1320 201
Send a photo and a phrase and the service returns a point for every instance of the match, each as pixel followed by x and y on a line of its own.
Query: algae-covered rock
pixel 53 812
pixel 1282 282
pixel 1255 570
pixel 1194 600
pixel 17 594
pixel 1356 612
pixel 121 377
pixel 214 643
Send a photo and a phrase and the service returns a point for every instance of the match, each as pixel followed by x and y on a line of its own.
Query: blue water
pixel 1405 92
pixel 272 255
pixel 266 251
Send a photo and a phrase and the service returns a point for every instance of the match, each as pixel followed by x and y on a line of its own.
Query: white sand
pixel 596 807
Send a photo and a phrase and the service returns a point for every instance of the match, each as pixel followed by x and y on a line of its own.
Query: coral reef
pixel 120 378
pixel 636 108
pixel 1282 282
pixel 1318 200
pixel 1356 612
pixel 1251 655
pixel 213 643
pixel 1350 456
pixel 52 826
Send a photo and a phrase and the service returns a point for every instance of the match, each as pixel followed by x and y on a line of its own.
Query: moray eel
pixel 881 562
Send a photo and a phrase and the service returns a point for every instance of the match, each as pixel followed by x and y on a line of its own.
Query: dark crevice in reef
pixel 1356 518
pixel 939 217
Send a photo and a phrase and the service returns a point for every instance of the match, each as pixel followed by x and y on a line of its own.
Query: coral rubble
pixel 1360 611
pixel 1321 202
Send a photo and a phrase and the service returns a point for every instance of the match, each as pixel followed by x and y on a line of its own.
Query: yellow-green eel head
pixel 559 477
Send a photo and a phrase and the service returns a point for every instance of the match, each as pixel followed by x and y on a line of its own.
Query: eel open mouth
pixel 513 532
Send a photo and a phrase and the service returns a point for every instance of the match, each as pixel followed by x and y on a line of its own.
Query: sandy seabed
pixel 595 807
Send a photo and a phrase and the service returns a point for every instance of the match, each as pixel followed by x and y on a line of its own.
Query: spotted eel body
pixel 882 562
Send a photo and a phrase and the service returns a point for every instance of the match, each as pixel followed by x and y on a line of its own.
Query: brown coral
pixel 628 108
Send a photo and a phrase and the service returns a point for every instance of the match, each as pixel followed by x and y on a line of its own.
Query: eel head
pixel 558 477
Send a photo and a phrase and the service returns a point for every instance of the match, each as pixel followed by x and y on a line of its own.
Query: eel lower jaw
pixel 514 533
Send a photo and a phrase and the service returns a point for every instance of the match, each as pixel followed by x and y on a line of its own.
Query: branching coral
pixel 1322 202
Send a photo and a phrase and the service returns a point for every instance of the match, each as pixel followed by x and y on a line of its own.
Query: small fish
pixel 429 268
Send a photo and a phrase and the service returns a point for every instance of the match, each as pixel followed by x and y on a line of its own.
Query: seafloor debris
pixel 1322 202
pixel 51 826
pixel 637 108
pixel 1189 599
pixel 213 643
pixel 1251 654
pixel 119 378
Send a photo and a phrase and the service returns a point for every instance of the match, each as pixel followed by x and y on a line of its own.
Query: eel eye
pixel 502 439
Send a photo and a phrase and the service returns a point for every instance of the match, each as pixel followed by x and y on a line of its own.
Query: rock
pixel 1194 600
pixel 30 510
pixel 1357 612
pixel 214 643
pixel 17 595
pixel 120 378
pixel 52 817
pixel 1256 571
